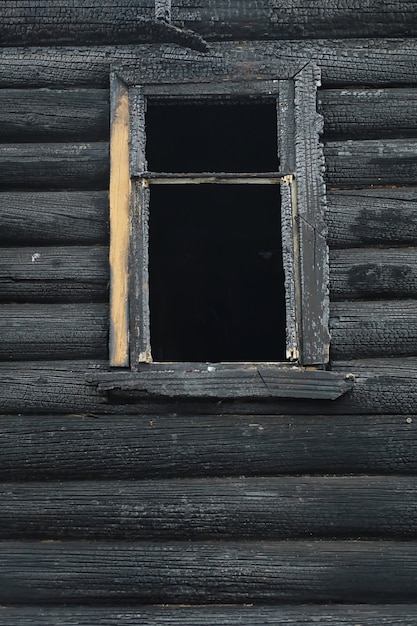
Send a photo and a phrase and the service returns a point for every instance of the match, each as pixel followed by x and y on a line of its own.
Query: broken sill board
pixel 224 380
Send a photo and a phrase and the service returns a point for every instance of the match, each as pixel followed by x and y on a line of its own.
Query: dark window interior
pixel 216 275
pixel 222 137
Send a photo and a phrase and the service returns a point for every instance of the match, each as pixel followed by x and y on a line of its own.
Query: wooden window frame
pixel 305 252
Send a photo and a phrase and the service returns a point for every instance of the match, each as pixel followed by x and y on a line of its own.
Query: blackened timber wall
pixel 190 502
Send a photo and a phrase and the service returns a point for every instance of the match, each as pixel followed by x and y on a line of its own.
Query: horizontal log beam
pixel 121 21
pixel 45 274
pixel 337 615
pixel 60 331
pixel 373 328
pixel 193 572
pixel 41 218
pixel 54 115
pixel 386 386
pixel 356 113
pixel 372 216
pixel 254 508
pixel 54 165
pixel 164 445
pixel 350 62
pixel 371 162
pixel 373 273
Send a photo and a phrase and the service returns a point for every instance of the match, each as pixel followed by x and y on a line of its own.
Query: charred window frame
pixel 305 252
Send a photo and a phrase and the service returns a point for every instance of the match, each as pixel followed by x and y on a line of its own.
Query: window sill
pixel 223 380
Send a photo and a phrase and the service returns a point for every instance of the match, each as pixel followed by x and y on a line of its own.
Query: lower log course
pixel 58 331
pixel 386 386
pixel 54 165
pixel 217 572
pixel 59 274
pixel 176 444
pixel 375 272
pixel 280 615
pixel 42 218
pixel 254 508
pixel 372 216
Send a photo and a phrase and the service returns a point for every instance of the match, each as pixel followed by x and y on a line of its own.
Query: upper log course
pixel 356 113
pixel 54 115
pixel 372 216
pixel 253 508
pixel 132 21
pixel 342 62
pixel 248 615
pixel 54 165
pixel 193 572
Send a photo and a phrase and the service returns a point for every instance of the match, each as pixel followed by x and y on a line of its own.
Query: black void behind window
pixel 215 137
pixel 215 255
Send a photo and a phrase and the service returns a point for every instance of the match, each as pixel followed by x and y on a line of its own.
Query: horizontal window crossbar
pixel 258 178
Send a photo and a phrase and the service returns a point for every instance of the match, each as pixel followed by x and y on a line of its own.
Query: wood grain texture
pixel 42 218
pixel 54 165
pixel 279 615
pixel 217 572
pixel 373 328
pixel 366 113
pixel 371 162
pixel 222 380
pixel 60 274
pixel 60 331
pixel 372 216
pixel 203 509
pixel 123 21
pixel 360 62
pixel 54 115
pixel 187 444
pixel 373 273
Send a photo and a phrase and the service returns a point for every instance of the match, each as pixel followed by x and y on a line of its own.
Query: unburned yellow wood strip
pixel 119 228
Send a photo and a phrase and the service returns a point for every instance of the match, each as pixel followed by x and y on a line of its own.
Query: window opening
pixel 216 276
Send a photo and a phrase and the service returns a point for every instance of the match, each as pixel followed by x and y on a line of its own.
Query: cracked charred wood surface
pixel 196 572
pixel 347 62
pixel 42 217
pixel 356 113
pixel 373 329
pixel 337 615
pixel 58 115
pixel 54 165
pixel 53 331
pixel 122 21
pixel 373 273
pixel 241 508
pixel 372 216
pixel 45 274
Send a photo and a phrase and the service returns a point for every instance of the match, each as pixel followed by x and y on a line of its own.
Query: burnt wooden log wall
pixel 263 512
